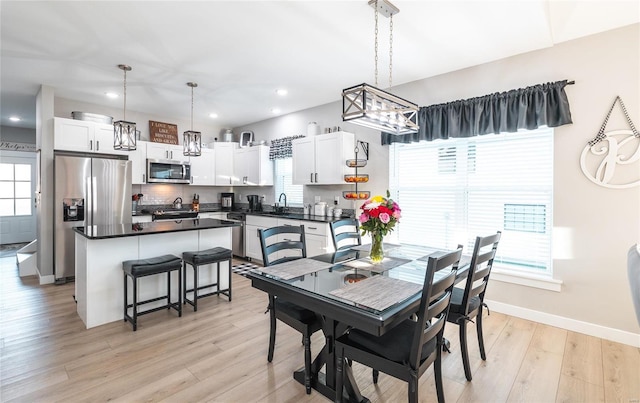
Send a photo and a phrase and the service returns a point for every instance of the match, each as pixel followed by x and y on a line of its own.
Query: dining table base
pixel 319 383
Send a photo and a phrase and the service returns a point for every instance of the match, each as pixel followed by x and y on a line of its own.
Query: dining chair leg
pixel 413 388
pixel 339 354
pixel 272 327
pixel 464 349
pixel 307 363
pixel 437 370
pixel 375 374
pixel 480 336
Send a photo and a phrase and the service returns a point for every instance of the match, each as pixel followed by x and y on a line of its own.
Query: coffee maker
pixel 227 201
pixel 255 204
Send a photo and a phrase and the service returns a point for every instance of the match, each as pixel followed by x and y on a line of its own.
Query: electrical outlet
pixel 336 200
pixel 317 199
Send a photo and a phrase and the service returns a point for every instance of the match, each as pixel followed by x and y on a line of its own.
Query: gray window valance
pixel 281 148
pixel 524 108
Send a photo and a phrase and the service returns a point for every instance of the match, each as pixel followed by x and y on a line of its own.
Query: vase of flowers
pixel 379 216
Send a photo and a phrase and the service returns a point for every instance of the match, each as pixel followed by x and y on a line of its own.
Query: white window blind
pixel 283 174
pixel 451 191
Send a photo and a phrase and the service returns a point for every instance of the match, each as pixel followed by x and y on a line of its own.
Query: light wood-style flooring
pixel 219 354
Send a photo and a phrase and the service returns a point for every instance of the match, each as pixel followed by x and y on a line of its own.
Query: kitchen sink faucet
pixel 285 200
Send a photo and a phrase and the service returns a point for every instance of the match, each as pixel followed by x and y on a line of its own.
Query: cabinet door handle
pixel 90 144
pixel 312 227
pixel 97 145
pixel 316 177
pixel 311 178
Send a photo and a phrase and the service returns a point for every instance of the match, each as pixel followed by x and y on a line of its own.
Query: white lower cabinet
pixel 251 239
pixel 217 215
pixel 317 236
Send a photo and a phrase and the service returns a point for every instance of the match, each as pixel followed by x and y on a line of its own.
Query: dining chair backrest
pixel 484 251
pixel 345 233
pixel 286 239
pixel 434 305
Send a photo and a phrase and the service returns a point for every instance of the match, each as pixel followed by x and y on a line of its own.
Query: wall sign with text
pixel 612 159
pixel 166 133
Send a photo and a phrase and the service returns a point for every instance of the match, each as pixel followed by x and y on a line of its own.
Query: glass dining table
pixel 348 291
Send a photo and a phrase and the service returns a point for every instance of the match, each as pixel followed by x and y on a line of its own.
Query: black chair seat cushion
pixel 152 265
pixel 295 311
pixel 207 256
pixel 394 345
pixel 456 310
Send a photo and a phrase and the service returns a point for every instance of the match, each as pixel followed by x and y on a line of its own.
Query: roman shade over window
pixel 505 112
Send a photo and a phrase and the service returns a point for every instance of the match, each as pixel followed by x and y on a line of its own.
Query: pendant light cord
pixel 191 108
pixel 390 49
pixel 124 108
pixel 376 44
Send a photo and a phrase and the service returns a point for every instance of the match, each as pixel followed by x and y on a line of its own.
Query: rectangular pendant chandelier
pixel 368 106
pixel 192 143
pixel 124 135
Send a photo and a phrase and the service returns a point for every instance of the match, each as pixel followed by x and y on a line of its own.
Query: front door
pixel 17 190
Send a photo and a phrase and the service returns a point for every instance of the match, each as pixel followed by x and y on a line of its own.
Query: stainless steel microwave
pixel 167 171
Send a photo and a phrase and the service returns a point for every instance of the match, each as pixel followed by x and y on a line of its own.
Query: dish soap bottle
pixel 195 204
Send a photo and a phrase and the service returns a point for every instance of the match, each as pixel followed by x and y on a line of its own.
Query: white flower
pixel 371 206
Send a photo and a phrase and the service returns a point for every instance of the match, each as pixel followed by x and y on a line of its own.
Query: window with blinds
pixel 451 191
pixel 283 168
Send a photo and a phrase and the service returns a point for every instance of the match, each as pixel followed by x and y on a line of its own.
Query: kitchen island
pixel 101 249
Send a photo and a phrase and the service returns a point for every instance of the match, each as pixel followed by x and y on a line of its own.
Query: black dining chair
pixel 290 241
pixel 345 233
pixel 467 303
pixel 407 350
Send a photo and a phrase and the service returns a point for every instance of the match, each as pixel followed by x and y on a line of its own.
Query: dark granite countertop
pixel 157 227
pixel 297 216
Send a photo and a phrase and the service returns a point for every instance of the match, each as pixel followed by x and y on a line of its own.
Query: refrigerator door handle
pixel 88 217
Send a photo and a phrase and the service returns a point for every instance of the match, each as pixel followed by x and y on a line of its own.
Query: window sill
pixel 529 280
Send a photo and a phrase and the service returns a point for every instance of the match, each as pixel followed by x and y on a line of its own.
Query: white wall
pixel 18 134
pixel 597 225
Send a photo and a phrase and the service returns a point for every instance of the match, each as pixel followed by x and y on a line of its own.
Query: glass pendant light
pixel 192 141
pixel 366 105
pixel 124 132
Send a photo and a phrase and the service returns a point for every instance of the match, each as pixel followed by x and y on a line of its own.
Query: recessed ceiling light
pixel 213 115
pixel 282 92
pixel 14 118
pixel 275 111
pixel 111 95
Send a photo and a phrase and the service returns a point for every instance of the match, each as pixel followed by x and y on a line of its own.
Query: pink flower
pixel 384 218
pixel 396 214
pixel 363 218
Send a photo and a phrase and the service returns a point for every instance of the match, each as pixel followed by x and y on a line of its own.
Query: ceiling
pixel 240 52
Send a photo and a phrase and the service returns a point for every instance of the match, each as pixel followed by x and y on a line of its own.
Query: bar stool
pixel 148 267
pixel 201 258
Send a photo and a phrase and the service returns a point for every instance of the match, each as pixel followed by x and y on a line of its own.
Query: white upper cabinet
pixel 161 151
pixel 84 136
pixel 321 159
pixel 138 160
pixel 252 166
pixel 224 153
pixel 203 168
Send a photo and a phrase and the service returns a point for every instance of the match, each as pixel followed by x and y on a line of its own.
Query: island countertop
pixel 147 228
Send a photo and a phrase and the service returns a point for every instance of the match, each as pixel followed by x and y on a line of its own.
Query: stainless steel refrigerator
pixel 89 190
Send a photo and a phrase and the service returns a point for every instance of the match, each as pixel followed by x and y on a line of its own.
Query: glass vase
pixel 376 254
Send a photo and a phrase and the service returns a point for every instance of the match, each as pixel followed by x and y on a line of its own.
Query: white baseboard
pixel 591 329
pixel 48 279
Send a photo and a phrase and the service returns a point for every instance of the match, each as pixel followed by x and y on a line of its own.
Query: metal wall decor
pixel 192 140
pixel 369 106
pixel 124 132
pixel 612 159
